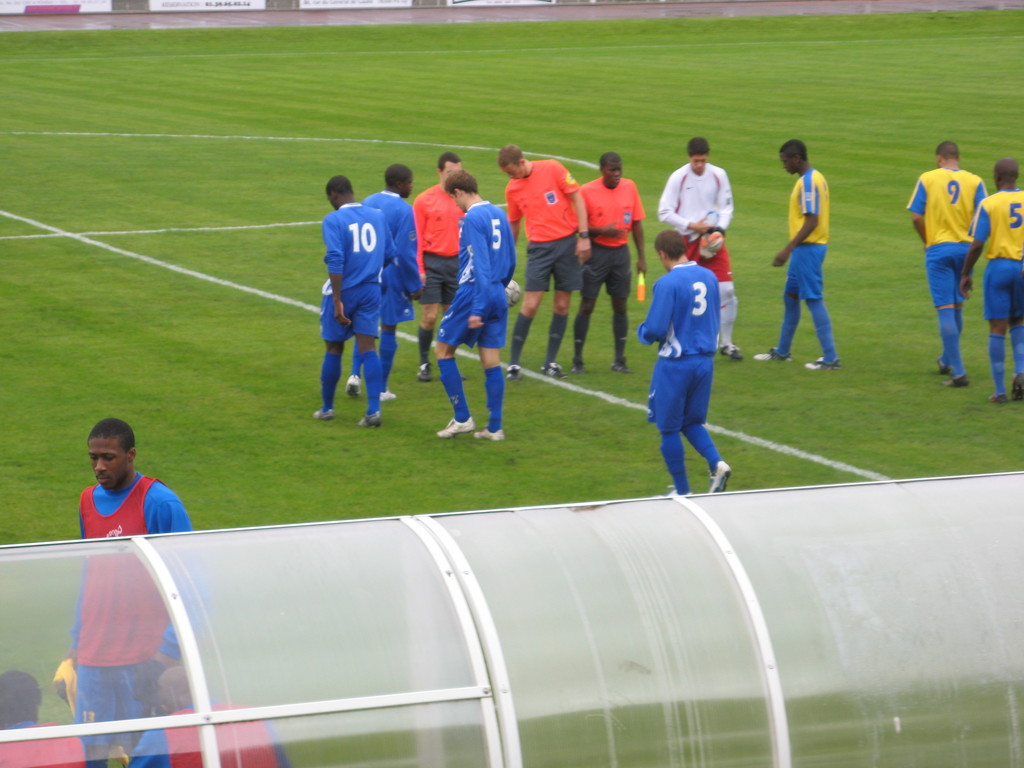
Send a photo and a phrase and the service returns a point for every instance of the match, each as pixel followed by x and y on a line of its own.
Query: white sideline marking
pixel 517 51
pixel 164 231
pixel 470 147
pixel 611 399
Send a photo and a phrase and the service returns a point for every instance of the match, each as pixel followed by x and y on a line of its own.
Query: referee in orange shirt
pixel 556 217
pixel 437 231
pixel 613 211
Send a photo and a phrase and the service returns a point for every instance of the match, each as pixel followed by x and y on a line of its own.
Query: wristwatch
pixel 584 234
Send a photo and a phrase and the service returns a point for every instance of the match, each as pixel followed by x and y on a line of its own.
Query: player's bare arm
pixel 918 221
pixel 810 222
pixel 582 243
pixel 339 307
pixel 966 280
pixel 638 240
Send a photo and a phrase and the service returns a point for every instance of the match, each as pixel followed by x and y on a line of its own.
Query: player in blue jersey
pixel 1000 222
pixel 684 319
pixel 941 208
pixel 478 315
pixel 808 244
pixel 358 242
pixel 400 283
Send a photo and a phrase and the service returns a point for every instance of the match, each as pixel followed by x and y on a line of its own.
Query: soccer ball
pixel 513 292
pixel 711 244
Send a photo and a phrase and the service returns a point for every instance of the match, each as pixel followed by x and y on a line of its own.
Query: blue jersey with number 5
pixel 684 313
pixel 487 252
pixel 357 240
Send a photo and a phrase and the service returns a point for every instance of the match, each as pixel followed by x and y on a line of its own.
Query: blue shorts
pixel 395 304
pixel 362 308
pixel 944 262
pixel 107 693
pixel 455 329
pixel 680 391
pixel 1004 289
pixel 804 278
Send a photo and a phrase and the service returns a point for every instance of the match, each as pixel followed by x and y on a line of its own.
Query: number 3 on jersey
pixel 700 301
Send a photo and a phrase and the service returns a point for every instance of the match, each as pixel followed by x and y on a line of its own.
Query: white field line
pixel 167 230
pixel 611 50
pixel 608 398
pixel 584 163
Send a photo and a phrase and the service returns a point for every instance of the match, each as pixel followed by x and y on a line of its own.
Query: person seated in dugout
pixel 242 745
pixel 20 698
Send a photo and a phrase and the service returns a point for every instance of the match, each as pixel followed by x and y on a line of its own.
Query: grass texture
pixel 183 146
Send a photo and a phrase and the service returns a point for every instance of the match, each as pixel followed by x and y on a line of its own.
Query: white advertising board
pixel 57 6
pixel 207 5
pixel 318 5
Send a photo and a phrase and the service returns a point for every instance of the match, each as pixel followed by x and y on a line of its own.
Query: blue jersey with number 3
pixel 684 314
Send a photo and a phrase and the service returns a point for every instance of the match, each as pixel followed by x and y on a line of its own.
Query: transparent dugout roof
pixel 869 624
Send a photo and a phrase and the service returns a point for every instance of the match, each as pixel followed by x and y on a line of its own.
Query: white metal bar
pixel 490 641
pixel 778 720
pixel 188 645
pixel 247 714
pixel 464 614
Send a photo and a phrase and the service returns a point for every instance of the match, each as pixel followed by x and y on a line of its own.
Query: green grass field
pixel 182 146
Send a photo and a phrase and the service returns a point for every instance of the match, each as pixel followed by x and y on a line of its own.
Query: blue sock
pixel 494 384
pixel 790 321
pixel 451 379
pixel 997 359
pixel 388 347
pixel 371 372
pixel 672 452
pixel 357 360
pixel 823 327
pixel 959 315
pixel 700 439
pixel 1017 345
pixel 950 340
pixel 330 374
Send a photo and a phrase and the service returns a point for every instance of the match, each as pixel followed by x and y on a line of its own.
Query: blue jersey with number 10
pixel 487 252
pixel 358 241
pixel 685 312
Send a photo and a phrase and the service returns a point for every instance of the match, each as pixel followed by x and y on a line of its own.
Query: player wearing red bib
pixel 122 635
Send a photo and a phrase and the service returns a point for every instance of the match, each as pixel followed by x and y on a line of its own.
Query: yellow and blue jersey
pixel 1000 221
pixel 947 199
pixel 810 196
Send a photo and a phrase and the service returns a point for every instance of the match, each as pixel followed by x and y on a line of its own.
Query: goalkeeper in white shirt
pixel 697 201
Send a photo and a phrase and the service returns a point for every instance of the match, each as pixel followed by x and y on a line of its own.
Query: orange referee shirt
pixel 437 224
pixel 542 197
pixel 618 207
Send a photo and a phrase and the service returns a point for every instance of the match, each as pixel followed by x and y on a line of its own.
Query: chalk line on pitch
pixel 604 396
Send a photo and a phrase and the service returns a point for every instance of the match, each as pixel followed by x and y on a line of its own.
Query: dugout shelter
pixel 873 624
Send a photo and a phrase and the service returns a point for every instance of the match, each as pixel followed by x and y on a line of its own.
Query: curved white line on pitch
pixel 469 147
pixel 611 399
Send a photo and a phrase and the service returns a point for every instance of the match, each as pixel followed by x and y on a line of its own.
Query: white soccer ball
pixel 711 244
pixel 513 292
